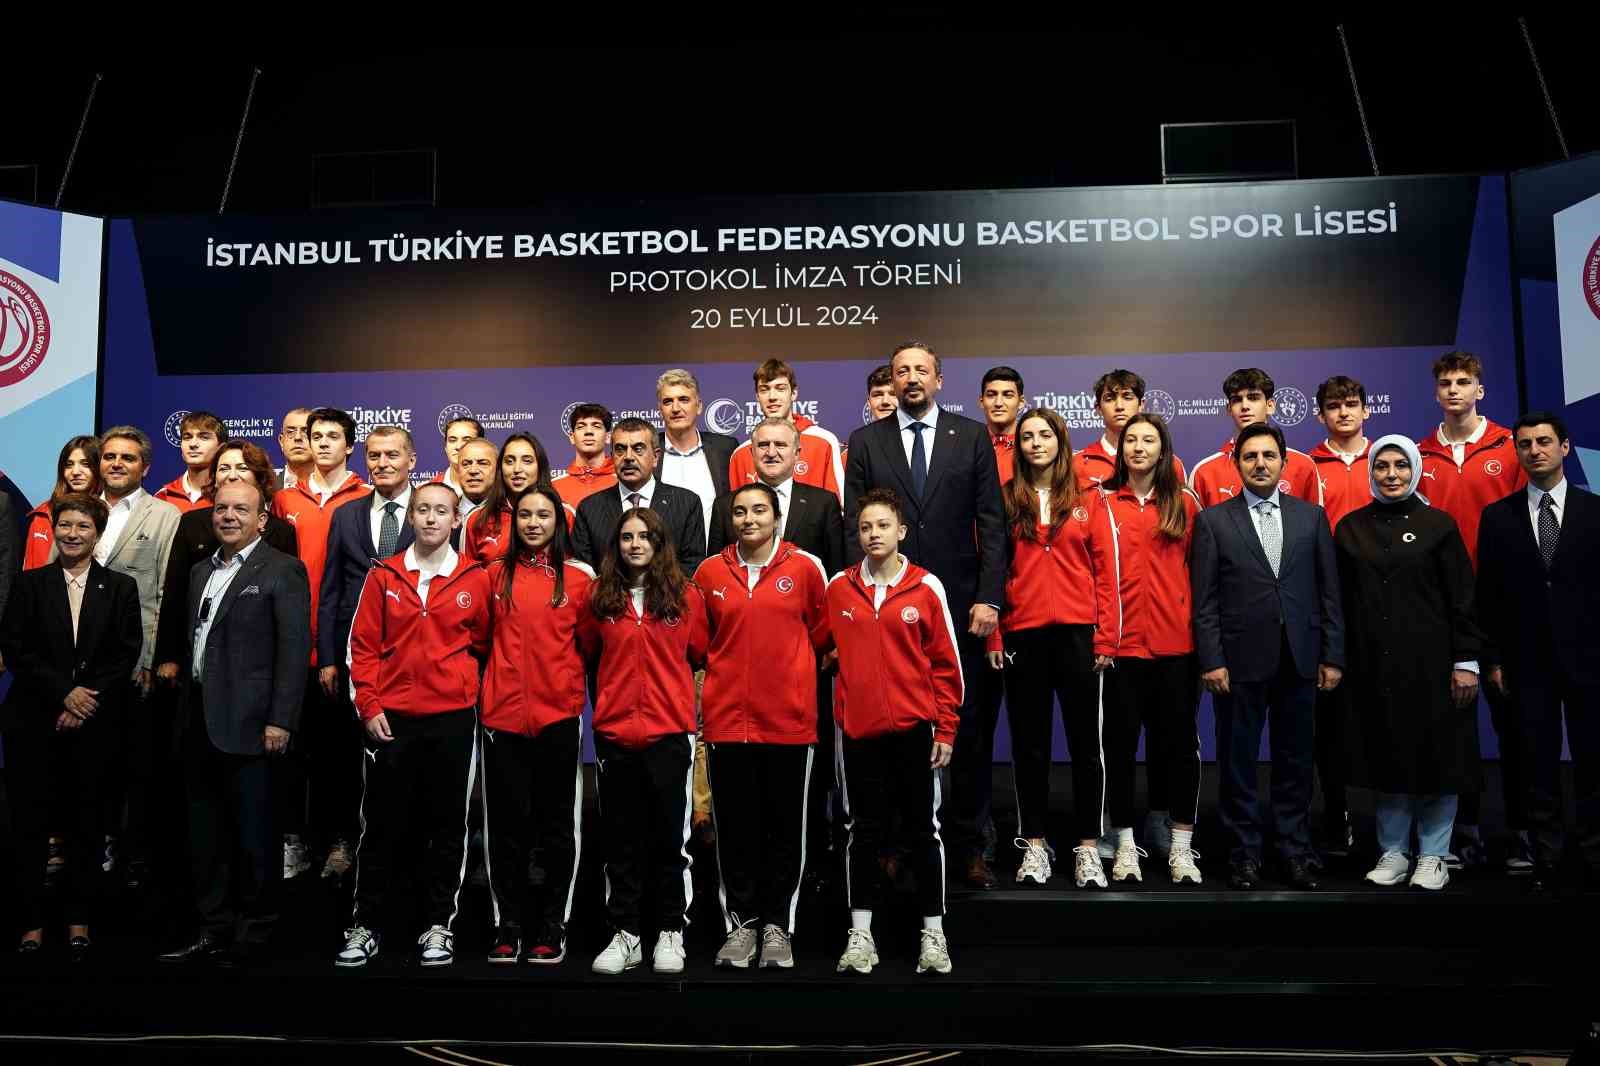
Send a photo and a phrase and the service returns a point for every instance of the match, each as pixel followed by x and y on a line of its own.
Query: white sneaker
pixel 860 953
pixel 935 953
pixel 295 861
pixel 1086 866
pixel 1391 869
pixel 1181 860
pixel 739 950
pixel 669 953
pixel 438 947
pixel 360 946
pixel 1430 874
pixel 621 954
pixel 1127 864
pixel 1035 863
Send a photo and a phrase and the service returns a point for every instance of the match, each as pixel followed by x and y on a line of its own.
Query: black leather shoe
pixel 79 948
pixel 203 951
pixel 30 949
pixel 1299 874
pixel 978 874
pixel 1245 875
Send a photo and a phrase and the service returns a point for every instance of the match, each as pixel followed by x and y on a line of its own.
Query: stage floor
pixel 1477 966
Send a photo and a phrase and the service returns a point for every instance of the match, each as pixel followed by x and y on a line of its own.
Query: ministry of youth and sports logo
pixel 725 416
pixel 24 329
pixel 172 429
pixel 1292 406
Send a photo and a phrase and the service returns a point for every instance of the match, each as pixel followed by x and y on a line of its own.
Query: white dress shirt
pixel 376 517
pixel 752 570
pixel 1458 449
pixel 443 564
pixel 647 492
pixel 880 589
pixel 116 522
pixel 690 470
pixel 907 438
pixel 324 490
pixel 222 574
pixel 189 490
pixel 1558 497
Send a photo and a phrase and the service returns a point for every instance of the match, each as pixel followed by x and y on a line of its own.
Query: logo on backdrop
pixel 1590 276
pixel 1160 402
pixel 451 412
pixel 1077 409
pixel 566 416
pixel 173 430
pixel 1292 406
pixel 724 416
pixel 24 329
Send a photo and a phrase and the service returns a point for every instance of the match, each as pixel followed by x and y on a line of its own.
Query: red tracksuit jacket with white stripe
pixel 761 670
pixel 898 665
pixel 1488 471
pixel 486 537
pixel 535 675
pixel 645 680
pixel 1216 477
pixel 413 658
pixel 1068 578
pixel 1346 487
pixel 1152 577
pixel 1094 465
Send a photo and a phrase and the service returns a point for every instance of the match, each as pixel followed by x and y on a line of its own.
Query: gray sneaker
pixel 739 950
pixel 775 948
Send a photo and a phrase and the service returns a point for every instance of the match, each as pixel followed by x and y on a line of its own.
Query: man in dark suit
pixel 250 611
pixel 1539 601
pixel 691 458
pixel 1269 634
pixel 361 531
pixel 634 452
pixel 942 467
pixel 71 636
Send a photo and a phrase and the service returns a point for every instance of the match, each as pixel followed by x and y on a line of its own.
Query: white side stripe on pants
pixel 466 826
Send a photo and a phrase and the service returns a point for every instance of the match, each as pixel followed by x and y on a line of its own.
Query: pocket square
pixel 250 590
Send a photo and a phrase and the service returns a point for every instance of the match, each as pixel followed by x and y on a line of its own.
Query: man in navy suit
pixel 1539 601
pixel 362 530
pixel 1269 633
pixel 942 467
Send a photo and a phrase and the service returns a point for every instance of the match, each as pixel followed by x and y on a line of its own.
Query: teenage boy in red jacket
pixel 420 635
pixel 896 703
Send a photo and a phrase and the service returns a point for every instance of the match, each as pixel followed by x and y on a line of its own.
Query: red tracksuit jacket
pixel 299 506
pixel 535 675
pixel 645 680
pixel 1069 579
pixel 174 493
pixel 1489 470
pixel 1216 477
pixel 580 481
pixel 761 669
pixel 819 463
pixel 415 659
pixel 38 537
pixel 485 537
pixel 1152 577
pixel 1094 465
pixel 1346 487
pixel 1005 454
pixel 898 665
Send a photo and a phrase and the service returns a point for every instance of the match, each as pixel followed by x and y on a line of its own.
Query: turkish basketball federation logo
pixel 1160 402
pixel 1590 275
pixel 173 429
pixel 1292 406
pixel 724 416
pixel 451 412
pixel 24 329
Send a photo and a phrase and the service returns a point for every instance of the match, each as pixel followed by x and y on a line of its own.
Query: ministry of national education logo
pixel 24 329
pixel 1292 406
pixel 173 429
pixel 452 412
pixel 1590 276
pixel 724 416
pixel 1160 402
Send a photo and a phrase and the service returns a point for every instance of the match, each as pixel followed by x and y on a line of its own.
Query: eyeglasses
pixel 294 433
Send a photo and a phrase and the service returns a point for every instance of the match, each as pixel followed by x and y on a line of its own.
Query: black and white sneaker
pixel 438 946
pixel 360 947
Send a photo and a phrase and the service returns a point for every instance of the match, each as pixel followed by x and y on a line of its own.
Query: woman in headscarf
pixel 1413 646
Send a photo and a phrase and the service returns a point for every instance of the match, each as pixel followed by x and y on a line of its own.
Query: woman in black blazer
pixel 60 717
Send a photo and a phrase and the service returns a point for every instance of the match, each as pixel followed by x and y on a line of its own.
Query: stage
pixel 1480 965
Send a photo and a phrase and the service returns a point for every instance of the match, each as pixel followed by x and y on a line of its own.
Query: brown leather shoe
pixel 978 873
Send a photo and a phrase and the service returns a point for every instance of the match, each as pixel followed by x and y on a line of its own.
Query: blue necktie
pixel 919 459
